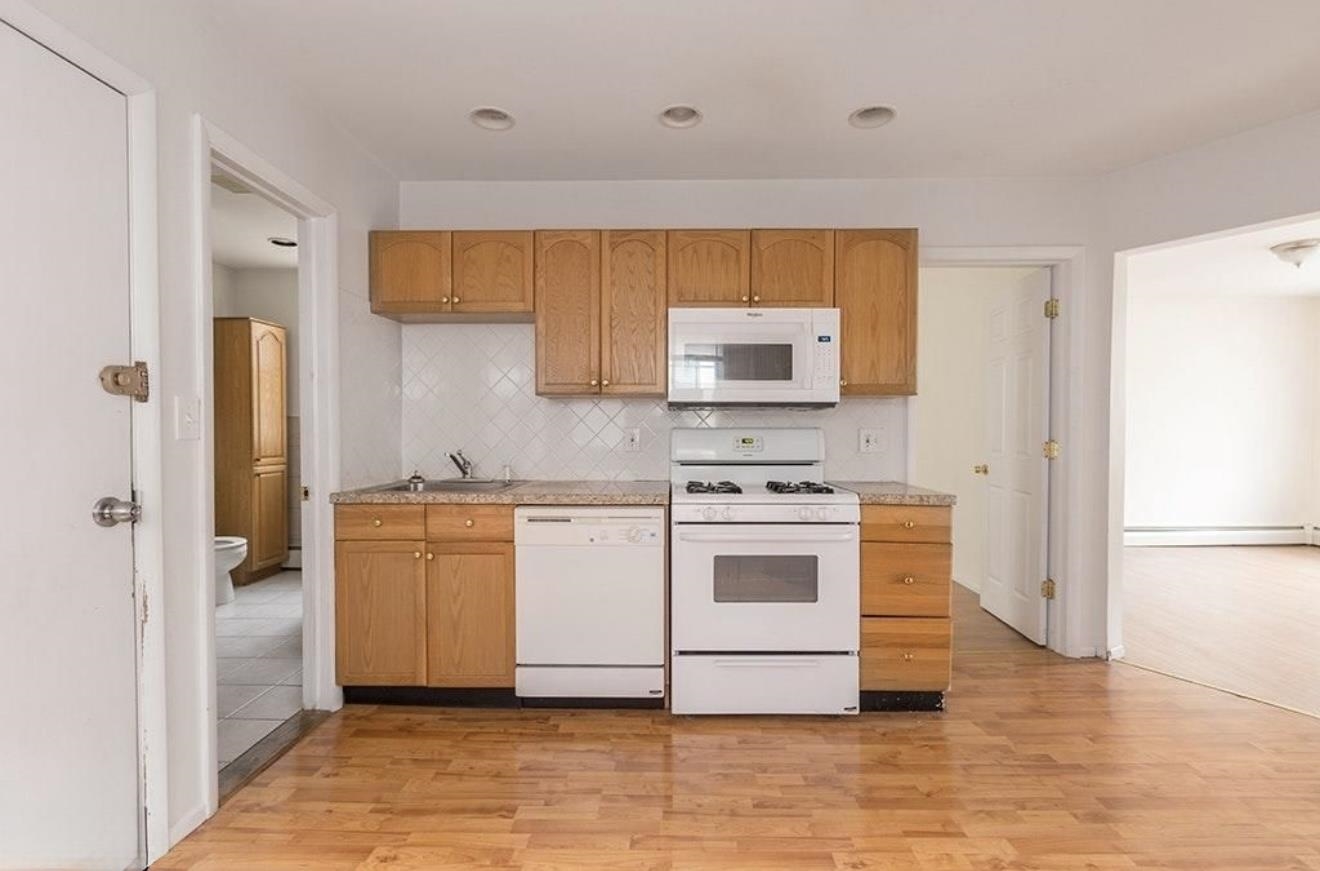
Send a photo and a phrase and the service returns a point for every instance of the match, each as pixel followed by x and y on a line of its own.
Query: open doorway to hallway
pixel 1220 574
pixel 979 424
pixel 258 438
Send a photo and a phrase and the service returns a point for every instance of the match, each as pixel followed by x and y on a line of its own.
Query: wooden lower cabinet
pixel 380 613
pixel 469 615
pixel 269 547
pixel 906 653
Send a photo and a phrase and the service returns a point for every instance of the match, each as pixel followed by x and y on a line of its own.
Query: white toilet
pixel 230 551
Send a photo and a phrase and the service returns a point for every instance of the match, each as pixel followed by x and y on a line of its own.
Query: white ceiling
pixel 1002 88
pixel 1238 265
pixel 240 227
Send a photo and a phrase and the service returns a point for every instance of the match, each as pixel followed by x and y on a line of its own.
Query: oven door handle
pixel 739 537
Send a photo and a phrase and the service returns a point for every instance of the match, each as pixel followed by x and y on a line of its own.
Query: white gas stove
pixel 765 575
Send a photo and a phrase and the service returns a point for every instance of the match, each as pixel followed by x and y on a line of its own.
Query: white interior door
pixel 1017 485
pixel 68 779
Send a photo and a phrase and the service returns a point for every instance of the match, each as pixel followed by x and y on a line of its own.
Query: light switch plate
pixel 187 418
pixel 632 440
pixel 872 440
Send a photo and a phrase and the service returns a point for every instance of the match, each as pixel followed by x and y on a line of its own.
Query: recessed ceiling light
pixel 872 116
pixel 680 116
pixel 281 241
pixel 490 118
pixel 1296 252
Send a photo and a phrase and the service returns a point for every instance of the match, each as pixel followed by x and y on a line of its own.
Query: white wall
pixel 197 68
pixel 1221 409
pixel 948 417
pixel 223 281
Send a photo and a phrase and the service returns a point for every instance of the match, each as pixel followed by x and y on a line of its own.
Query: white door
pixel 1017 486
pixel 68 767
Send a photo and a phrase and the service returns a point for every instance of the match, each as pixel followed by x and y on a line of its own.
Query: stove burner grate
pixel 717 487
pixel 800 487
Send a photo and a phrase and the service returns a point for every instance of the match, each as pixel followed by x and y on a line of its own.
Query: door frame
pixel 318 316
pixel 145 417
pixel 1065 518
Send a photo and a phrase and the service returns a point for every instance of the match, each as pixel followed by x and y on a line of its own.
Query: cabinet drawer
pixel 909 523
pixel 469 522
pixel 379 522
pixel 906 580
pixel 906 653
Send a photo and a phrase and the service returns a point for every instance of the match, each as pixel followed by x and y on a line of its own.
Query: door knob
pixel 109 511
pixel 981 469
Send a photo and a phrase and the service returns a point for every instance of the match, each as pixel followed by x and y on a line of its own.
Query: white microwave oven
pixel 754 357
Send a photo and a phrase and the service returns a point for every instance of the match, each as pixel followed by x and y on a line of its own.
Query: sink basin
pixel 465 485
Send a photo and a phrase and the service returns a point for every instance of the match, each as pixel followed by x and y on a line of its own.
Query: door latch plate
pixel 127 381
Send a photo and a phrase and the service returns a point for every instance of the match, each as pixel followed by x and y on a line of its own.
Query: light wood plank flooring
pixel 1246 619
pixel 1039 763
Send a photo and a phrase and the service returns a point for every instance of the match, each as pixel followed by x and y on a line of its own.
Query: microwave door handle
pixel 788 539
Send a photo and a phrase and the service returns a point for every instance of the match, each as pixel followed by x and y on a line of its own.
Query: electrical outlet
pixel 632 440
pixel 872 440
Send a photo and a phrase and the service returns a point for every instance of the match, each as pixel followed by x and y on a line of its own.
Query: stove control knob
pixel 634 534
pixel 804 512
pixel 708 513
pixel 727 514
pixel 823 513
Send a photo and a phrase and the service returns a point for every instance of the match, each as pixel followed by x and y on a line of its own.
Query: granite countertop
pixel 521 493
pixel 895 493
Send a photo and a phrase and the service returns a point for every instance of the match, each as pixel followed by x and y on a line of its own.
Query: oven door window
pixel 706 365
pixel 759 578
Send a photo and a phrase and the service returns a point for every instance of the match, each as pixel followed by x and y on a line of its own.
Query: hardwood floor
pixel 1241 618
pixel 1039 763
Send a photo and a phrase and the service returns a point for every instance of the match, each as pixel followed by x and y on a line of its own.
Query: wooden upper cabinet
pixel 875 288
pixel 634 317
pixel 269 425
pixel 793 268
pixel 567 312
pixel 492 271
pixel 380 613
pixel 410 271
pixel 709 267
pixel 470 616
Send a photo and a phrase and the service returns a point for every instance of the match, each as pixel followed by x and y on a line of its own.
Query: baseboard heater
pixel 1209 536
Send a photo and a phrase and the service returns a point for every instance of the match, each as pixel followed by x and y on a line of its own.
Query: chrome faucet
pixel 463 463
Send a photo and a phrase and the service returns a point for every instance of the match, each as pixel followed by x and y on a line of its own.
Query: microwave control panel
pixel 825 330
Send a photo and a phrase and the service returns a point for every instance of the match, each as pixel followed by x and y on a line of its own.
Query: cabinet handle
pixel 909 524
pixel 907 657
pixel 376 521
pixel 909 580
pixel 430 556
pixel 756 299
pixel 417 554
pixel 594 382
pixel 744 298
pixel 468 522
pixel 455 300
pixel 605 383
pixel 843 382
pixel 444 299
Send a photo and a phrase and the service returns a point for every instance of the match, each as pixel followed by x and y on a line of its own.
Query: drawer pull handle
pixel 907 657
pixel 469 522
pixel 417 554
pixel 376 521
pixel 909 580
pixel 430 556
pixel 909 524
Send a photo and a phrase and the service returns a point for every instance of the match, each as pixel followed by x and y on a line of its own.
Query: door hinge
pixel 1051 308
pixel 1052 449
pixel 1047 588
pixel 127 381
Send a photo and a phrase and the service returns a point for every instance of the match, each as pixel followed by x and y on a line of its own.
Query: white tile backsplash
pixel 473 386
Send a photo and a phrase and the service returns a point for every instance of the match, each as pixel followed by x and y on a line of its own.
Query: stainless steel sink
pixel 463 485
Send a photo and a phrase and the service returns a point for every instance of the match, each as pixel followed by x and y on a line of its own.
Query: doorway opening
pixel 979 427
pixel 1221 447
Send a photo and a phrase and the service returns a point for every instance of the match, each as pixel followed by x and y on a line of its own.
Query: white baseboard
pixel 1116 652
pixel 187 824
pixel 1207 536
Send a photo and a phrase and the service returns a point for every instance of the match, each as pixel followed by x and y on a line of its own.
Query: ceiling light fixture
pixel 871 116
pixel 680 116
pixel 490 118
pixel 281 241
pixel 1296 252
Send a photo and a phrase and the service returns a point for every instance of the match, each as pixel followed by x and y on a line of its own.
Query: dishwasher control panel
pixel 585 527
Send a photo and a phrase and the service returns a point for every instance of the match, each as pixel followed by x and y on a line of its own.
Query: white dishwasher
pixel 590 602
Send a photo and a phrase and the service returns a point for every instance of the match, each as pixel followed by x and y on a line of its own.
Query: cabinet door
pixel 380 613
pixel 793 268
pixel 875 288
pixel 567 312
pixel 709 267
pixel 469 615
pixel 901 653
pixel 410 271
pixel 270 517
pixel 634 318
pixel 269 438
pixel 492 271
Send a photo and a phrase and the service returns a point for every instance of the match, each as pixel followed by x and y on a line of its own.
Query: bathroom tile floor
pixel 258 646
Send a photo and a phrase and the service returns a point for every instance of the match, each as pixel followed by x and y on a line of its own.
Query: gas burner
pixel 707 487
pixel 799 487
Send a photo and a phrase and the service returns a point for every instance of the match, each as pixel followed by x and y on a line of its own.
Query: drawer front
pixel 906 653
pixel 379 522
pixel 469 522
pixel 906 580
pixel 929 524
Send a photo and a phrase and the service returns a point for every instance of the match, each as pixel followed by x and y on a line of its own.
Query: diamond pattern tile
pixel 472 386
